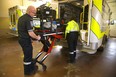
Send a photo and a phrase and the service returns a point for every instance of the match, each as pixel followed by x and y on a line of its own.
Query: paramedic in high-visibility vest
pixel 71 35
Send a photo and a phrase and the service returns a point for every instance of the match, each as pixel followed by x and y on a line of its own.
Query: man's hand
pixel 34 36
pixel 38 37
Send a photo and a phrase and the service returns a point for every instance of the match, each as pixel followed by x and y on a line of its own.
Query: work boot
pixel 74 55
pixel 72 58
pixel 35 68
pixel 31 71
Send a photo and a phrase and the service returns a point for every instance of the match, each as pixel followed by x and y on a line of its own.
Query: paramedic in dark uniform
pixel 25 32
pixel 71 35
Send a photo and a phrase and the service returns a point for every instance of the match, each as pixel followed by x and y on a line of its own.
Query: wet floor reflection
pixel 100 64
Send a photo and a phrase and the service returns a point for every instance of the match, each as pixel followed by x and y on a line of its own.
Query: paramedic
pixel 25 32
pixel 71 35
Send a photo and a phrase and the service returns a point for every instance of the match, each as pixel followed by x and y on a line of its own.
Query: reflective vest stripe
pixel 27 63
pixel 71 52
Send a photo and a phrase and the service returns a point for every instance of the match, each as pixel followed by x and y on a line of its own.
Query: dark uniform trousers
pixel 72 43
pixel 27 48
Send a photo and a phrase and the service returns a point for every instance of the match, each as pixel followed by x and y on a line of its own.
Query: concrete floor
pixel 101 64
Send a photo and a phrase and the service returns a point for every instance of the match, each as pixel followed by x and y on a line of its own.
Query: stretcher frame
pixel 55 36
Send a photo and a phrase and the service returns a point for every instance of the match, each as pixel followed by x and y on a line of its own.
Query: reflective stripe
pixel 95 27
pixel 98 4
pixel 73 31
pixel 97 15
pixel 96 21
pixel 30 30
pixel 27 63
pixel 71 52
pixel 19 12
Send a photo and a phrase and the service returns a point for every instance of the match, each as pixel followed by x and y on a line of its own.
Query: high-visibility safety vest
pixel 71 26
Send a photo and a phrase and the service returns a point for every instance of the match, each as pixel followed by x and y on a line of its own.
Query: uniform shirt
pixel 24 25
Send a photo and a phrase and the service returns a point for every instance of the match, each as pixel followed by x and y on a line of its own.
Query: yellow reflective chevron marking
pixel 95 25
pixel 98 4
pixel 89 1
pixel 19 12
pixel 95 28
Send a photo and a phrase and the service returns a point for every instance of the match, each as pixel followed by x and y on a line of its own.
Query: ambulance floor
pixel 100 64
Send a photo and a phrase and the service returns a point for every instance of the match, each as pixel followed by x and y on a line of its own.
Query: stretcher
pixel 55 36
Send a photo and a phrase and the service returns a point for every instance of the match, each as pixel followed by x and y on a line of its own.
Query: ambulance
pixel 95 25
pixel 14 13
pixel 93 17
